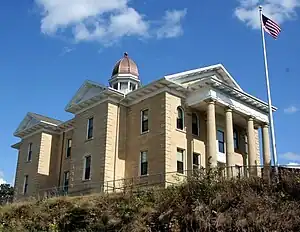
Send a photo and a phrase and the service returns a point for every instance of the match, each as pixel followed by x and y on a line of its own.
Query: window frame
pixel 179 108
pixel 85 168
pixel 221 142
pixel 199 161
pixel 179 171
pixel 141 173
pixel 90 129
pixel 69 148
pixel 25 184
pixel 143 130
pixel 235 139
pixel 197 124
pixel 66 186
pixel 29 153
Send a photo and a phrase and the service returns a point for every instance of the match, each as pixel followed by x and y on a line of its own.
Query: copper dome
pixel 125 66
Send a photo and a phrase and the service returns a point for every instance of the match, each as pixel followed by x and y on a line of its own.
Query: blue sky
pixel 49 47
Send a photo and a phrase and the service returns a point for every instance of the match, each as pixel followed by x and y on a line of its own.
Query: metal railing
pixel 163 180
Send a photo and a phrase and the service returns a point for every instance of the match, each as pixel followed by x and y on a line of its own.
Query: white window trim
pixel 84 167
pixel 184 161
pixel 87 128
pixel 28 150
pixel 67 142
pixel 64 182
pixel 198 123
pixel 183 118
pixel 141 121
pixel 199 159
pixel 24 182
pixel 140 163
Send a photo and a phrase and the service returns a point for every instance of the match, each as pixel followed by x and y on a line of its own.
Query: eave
pixel 39 126
pixel 16 145
pixel 105 95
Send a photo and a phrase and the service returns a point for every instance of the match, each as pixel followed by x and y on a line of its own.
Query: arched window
pixel 180 118
pixel 195 124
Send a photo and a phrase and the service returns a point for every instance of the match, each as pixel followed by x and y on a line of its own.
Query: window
pixel 195 124
pixel 180 160
pixel 235 139
pixel 66 181
pixel 123 86
pixel 145 120
pixel 115 86
pixel 87 168
pixel 144 163
pixel 220 135
pixel 25 187
pixel 180 118
pixel 69 145
pixel 196 161
pixel 29 155
pixel 90 128
pixel 246 144
pixel 132 86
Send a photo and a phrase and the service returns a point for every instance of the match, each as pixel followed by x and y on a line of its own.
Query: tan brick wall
pixel 152 141
pixel 94 147
pixel 66 161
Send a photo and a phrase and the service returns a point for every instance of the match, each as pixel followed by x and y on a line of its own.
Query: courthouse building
pixel 129 131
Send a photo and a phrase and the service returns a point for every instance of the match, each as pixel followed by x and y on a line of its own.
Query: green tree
pixel 6 194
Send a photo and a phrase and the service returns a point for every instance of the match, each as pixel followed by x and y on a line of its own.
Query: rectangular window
pixel 235 139
pixel 90 128
pixel 196 161
pixel 29 155
pixel 221 141
pixel 66 181
pixel 69 145
pixel 145 120
pixel 123 86
pixel 144 163
pixel 87 168
pixel 115 86
pixel 180 160
pixel 195 124
pixel 246 144
pixel 25 187
pixel 132 86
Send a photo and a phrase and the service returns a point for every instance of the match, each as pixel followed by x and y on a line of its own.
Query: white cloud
pixel 278 10
pixel 66 50
pixel 171 24
pixel 2 181
pixel 291 110
pixel 291 156
pixel 105 21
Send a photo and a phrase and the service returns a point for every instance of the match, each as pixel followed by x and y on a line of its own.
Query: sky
pixel 48 48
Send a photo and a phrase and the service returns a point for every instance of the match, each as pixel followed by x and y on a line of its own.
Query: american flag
pixel 271 27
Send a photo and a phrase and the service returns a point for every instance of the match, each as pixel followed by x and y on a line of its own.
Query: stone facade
pixel 59 150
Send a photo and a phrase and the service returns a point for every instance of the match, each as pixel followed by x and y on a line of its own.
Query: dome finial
pixel 125 54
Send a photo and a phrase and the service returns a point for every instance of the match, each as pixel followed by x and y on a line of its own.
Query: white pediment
pixel 28 122
pixel 87 91
pixel 216 71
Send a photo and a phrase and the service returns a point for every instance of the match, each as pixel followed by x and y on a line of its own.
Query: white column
pixel 211 134
pixel 251 147
pixel 229 143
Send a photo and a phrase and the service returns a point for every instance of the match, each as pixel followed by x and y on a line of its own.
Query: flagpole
pixel 274 153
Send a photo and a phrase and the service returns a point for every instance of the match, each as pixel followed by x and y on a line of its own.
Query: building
pixel 127 130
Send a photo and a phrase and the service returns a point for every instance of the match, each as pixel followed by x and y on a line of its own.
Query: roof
pixel 125 66
pixel 46 119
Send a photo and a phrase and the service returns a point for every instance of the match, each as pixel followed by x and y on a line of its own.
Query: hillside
pixel 202 203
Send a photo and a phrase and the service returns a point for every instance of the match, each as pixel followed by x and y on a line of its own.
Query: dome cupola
pixel 125 75
pixel 125 66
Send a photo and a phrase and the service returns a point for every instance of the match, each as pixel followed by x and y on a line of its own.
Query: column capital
pixel 228 108
pixel 250 118
pixel 265 125
pixel 210 101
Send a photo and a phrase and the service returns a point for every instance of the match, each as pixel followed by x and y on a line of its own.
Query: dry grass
pixel 201 204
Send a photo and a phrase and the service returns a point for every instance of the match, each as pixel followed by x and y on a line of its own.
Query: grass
pixel 203 203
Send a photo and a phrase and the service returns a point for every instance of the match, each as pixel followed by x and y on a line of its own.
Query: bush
pixel 203 203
